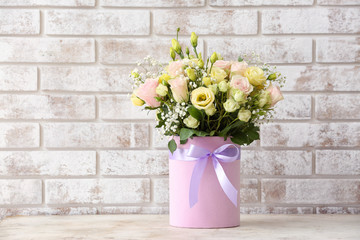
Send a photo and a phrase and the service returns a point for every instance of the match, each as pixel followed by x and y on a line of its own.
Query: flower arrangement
pixel 194 97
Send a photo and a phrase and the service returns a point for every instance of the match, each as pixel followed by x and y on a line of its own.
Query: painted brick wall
pixel 71 143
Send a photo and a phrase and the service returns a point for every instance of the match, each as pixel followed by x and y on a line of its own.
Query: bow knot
pixel 225 153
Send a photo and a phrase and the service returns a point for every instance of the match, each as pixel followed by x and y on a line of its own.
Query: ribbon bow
pixel 225 153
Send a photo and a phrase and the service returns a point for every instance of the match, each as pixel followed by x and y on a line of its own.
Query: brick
pixel 96 135
pixel 134 210
pixel 338 162
pixel 95 79
pixel 337 49
pixel 354 210
pixel 327 20
pixel 99 22
pixel 161 190
pixel 113 107
pixel 332 210
pixel 321 78
pixel 310 191
pixel 308 135
pixel 58 3
pixel 273 50
pixel 19 21
pixel 123 51
pixel 20 191
pixel 158 140
pixel 19 135
pixel 206 22
pixel 337 106
pixel 294 107
pixel 9 212
pixel 238 3
pixel 276 210
pixel 149 162
pixel 338 2
pixel 54 163
pixel 18 78
pixel 60 191
pixel 291 163
pixel 152 3
pixel 51 50
pixel 47 107
pixel 249 191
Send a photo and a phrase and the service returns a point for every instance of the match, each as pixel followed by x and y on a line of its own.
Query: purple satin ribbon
pixel 225 153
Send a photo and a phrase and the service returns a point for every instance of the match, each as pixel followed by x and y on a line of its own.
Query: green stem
pixel 196 52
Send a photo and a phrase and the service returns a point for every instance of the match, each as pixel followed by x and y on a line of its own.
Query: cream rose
pixel 224 65
pixel 202 97
pixel 179 89
pixel 275 94
pixel 147 92
pixel 255 75
pixel 238 68
pixel 175 68
pixel 241 83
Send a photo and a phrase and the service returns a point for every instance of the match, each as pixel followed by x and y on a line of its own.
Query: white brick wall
pixel 72 143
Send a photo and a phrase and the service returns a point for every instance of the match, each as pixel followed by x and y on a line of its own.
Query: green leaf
pixel 240 139
pixel 172 146
pixel 185 133
pixel 212 133
pixel 225 131
pixel 253 135
pixel 200 133
pixel 240 59
pixel 195 113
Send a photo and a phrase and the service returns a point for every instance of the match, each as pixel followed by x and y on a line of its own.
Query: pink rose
pixel 175 68
pixel 179 89
pixel 238 68
pixel 275 94
pixel 241 83
pixel 224 65
pixel 147 92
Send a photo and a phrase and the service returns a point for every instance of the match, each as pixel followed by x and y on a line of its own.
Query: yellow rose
pixel 202 97
pixel 136 101
pixel 164 78
pixel 255 75
pixel 206 81
pixel 218 74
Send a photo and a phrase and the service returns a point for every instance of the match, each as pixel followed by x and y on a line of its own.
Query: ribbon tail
pixel 195 181
pixel 225 183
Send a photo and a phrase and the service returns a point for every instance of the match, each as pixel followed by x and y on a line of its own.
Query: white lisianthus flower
pixel 210 110
pixel 223 86
pixel 231 105
pixel 162 90
pixel 191 122
pixel 244 115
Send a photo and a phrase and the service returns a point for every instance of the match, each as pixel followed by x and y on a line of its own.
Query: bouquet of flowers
pixel 213 97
